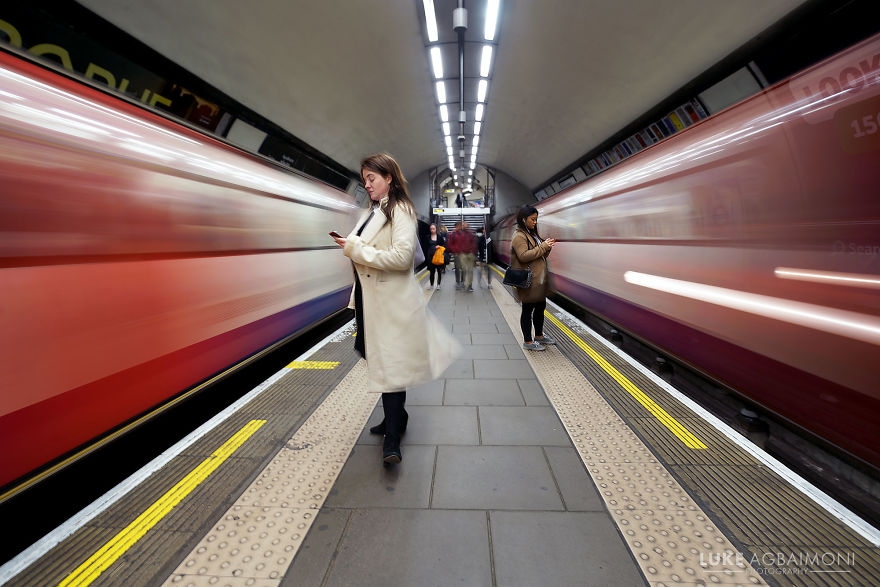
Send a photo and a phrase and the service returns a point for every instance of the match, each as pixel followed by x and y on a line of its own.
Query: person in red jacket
pixel 468 246
pixel 452 243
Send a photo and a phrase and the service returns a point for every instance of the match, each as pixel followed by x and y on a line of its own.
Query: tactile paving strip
pixel 257 538
pixel 671 538
pixel 759 510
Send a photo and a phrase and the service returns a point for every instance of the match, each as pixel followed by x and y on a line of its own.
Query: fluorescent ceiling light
pixel 478 114
pixel 449 150
pixel 477 127
pixel 485 61
pixel 491 18
pixel 444 113
pixel 476 140
pixel 437 61
pixel 441 92
pixel 446 128
pixel 482 89
pixel 474 150
pixel 431 20
pixel 448 140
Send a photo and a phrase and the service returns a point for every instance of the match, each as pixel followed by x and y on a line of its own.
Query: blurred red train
pixel 748 246
pixel 138 258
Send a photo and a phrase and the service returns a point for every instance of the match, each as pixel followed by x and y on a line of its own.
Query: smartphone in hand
pixel 335 234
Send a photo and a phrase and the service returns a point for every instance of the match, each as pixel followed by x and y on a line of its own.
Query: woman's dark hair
pixel 524 212
pixel 398 192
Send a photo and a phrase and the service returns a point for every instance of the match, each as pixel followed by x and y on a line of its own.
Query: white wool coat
pixel 406 344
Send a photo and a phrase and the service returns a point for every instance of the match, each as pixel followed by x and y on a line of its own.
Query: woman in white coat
pixel 403 343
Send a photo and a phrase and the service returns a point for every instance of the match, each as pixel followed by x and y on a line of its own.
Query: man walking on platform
pixel 452 244
pixel 466 245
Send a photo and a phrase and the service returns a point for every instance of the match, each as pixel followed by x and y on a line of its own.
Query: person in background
pixel 483 243
pixel 467 245
pixel 435 240
pixel 453 243
pixel 528 249
pixel 403 343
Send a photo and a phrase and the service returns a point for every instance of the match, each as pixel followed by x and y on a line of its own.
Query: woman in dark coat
pixel 435 239
pixel 528 249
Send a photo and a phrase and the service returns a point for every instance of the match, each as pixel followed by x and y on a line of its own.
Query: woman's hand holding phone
pixel 340 240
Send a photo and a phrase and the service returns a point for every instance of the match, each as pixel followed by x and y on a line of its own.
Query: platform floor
pixel 491 490
pixel 571 466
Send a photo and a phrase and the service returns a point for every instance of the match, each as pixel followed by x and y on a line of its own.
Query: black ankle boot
pixel 380 428
pixel 391 454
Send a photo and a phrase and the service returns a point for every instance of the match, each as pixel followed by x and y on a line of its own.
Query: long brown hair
pixel 524 212
pixel 398 192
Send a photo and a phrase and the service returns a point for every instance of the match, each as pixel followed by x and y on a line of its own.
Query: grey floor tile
pixel 481 327
pixel 426 394
pixel 502 369
pixel 483 392
pixel 489 338
pixel 413 547
pixel 442 425
pixel 494 477
pixel 460 369
pixel 365 482
pixel 486 317
pixel 530 426
pixel 318 549
pixel 533 393
pixel 578 489
pixel 431 425
pixel 560 549
pixel 484 351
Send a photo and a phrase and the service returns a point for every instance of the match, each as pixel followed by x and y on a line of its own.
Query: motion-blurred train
pixel 138 258
pixel 748 246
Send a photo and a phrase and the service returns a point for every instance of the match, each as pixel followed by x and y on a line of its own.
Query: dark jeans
pixel 438 269
pixel 484 268
pixel 392 404
pixel 532 313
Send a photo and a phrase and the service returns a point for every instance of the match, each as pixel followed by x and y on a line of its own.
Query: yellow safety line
pixel 126 538
pixel 671 423
pixel 313 365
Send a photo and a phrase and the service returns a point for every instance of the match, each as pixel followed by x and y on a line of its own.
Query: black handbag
pixel 519 278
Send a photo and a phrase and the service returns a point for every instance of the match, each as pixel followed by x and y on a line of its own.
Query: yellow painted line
pixel 667 420
pixel 313 365
pixel 126 538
